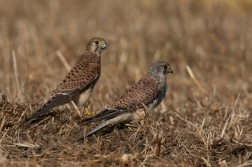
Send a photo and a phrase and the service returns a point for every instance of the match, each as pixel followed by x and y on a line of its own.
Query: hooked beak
pixel 103 46
pixel 170 71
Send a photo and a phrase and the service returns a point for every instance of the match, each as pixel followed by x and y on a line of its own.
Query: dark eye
pixel 96 42
pixel 165 67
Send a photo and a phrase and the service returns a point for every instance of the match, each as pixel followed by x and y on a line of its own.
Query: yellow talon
pixel 88 112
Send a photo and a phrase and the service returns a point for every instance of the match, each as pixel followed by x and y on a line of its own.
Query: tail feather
pixel 45 110
pixel 38 115
pixel 106 113
pixel 119 119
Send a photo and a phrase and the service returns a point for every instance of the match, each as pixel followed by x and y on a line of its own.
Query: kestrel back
pixel 78 83
pixel 144 96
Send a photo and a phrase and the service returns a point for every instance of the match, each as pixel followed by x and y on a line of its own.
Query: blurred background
pixel 212 39
pixel 204 118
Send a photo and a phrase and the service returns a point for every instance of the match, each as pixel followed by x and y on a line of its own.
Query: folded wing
pixel 77 80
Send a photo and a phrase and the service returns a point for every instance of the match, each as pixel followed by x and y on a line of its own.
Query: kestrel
pixel 78 83
pixel 142 97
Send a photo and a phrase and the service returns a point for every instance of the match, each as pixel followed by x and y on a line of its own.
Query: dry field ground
pixel 205 119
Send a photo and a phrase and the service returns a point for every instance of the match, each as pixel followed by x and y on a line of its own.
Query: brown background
pixel 198 122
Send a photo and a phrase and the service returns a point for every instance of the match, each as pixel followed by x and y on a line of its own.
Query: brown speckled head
pixel 96 45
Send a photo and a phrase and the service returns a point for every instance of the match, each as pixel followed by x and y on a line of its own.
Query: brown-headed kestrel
pixel 142 97
pixel 78 83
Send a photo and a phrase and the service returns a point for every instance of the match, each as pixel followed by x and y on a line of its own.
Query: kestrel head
pixel 160 67
pixel 96 45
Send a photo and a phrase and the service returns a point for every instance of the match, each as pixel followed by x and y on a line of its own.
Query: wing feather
pixel 143 92
pixel 76 80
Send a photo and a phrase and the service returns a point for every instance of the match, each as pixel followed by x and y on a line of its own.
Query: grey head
pixel 160 68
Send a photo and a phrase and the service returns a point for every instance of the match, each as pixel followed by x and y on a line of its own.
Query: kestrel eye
pixel 165 67
pixel 96 42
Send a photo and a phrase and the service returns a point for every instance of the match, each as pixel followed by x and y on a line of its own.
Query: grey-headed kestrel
pixel 78 83
pixel 142 97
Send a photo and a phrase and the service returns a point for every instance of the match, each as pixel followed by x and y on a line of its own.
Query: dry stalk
pixel 2 123
pixel 190 123
pixel 245 164
pixel 230 116
pixel 195 80
pixel 27 145
pixel 3 136
pixel 159 140
pixel 15 67
pixel 63 60
pixel 76 109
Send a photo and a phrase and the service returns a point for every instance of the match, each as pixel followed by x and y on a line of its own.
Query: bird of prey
pixel 144 96
pixel 78 83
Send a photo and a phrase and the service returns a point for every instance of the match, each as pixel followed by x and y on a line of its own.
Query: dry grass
pixel 205 119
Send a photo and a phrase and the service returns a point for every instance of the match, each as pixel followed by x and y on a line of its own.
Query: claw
pixel 88 112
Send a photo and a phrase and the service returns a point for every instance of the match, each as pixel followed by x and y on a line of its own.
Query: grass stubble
pixel 205 119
